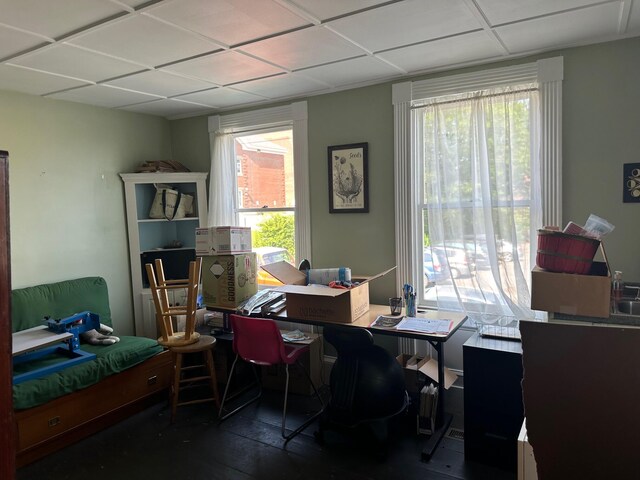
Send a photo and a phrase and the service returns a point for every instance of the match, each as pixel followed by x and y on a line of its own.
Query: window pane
pixel 264 165
pixel 273 239
pixel 477 196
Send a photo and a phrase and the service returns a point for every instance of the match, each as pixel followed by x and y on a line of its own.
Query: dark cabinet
pixel 493 408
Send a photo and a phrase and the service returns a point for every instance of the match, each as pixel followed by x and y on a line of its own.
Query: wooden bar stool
pixel 183 341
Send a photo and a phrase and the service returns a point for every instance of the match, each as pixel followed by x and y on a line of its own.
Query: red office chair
pixel 259 342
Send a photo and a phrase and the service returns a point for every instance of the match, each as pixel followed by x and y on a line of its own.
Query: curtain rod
pixel 459 100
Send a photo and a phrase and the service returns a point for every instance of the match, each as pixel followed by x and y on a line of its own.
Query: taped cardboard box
pixel 319 302
pixel 228 280
pixel 223 240
pixel 414 367
pixel 573 294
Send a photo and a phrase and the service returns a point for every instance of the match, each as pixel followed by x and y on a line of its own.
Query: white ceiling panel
pixel 103 96
pixel 221 97
pixel 334 8
pixel 77 63
pixel 33 82
pixel 224 68
pixel 55 18
pixel 503 11
pixel 600 21
pixel 351 71
pixel 145 40
pixel 448 51
pixel 230 21
pixel 304 48
pixel 14 41
pixel 284 86
pixel 159 83
pixel 230 53
pixel 408 22
pixel 167 108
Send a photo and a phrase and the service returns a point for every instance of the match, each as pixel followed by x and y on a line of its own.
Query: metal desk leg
pixel 442 420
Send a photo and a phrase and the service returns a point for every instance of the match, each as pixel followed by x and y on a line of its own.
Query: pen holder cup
pixel 395 305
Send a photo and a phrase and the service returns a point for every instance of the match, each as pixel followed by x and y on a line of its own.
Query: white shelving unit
pixel 149 237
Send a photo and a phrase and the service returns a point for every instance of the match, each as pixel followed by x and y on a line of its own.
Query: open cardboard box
pixel 412 365
pixel 319 302
pixel 573 294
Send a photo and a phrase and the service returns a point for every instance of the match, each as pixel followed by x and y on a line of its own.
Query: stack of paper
pixel 425 325
pixel 413 324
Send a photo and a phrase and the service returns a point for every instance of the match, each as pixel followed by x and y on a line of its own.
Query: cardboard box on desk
pixel 413 366
pixel 223 240
pixel 573 294
pixel 319 302
pixel 228 280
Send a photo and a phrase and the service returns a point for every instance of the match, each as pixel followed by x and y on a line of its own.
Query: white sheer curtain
pixel 481 196
pixel 222 181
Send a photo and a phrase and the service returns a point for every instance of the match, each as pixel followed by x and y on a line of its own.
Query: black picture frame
pixel 631 183
pixel 348 178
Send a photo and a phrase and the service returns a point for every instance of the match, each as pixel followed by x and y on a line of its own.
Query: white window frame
pixel 293 116
pixel 547 73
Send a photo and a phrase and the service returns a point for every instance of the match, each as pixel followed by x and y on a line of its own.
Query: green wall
pixel 67 202
pixel 601 120
pixel 66 197
pixel 601 125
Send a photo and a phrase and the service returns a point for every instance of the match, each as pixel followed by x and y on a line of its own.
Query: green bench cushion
pixel 110 359
pixel 59 300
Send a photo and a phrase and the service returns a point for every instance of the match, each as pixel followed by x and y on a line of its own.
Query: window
pixel 480 153
pixel 475 160
pixel 267 196
pixel 259 179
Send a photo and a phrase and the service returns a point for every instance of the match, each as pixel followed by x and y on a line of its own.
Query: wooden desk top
pixel 458 318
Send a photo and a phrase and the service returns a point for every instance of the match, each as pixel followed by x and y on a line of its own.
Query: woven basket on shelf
pixel 565 253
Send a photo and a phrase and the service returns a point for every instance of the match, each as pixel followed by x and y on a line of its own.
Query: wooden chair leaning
pixel 183 341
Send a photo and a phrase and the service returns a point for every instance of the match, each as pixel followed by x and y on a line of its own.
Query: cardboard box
pixel 414 367
pixel 223 240
pixel 319 302
pixel 274 376
pixel 572 294
pixel 228 280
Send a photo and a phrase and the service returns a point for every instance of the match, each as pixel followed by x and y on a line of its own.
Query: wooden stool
pixel 205 346
pixel 186 341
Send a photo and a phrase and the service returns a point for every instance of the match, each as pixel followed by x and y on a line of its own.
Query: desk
pixel 436 341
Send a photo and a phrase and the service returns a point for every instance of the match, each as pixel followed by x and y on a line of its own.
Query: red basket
pixel 565 253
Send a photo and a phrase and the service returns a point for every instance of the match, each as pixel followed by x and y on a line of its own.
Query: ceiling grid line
pixel 162 57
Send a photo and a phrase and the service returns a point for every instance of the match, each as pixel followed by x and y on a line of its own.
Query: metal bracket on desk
pixel 66 331
pixel 75 357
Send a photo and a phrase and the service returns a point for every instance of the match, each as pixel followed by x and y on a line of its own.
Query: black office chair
pixel 367 386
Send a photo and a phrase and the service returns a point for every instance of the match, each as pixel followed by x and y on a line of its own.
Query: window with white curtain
pixel 481 155
pixel 259 179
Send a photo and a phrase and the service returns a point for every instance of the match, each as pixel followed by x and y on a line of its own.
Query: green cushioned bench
pixel 136 366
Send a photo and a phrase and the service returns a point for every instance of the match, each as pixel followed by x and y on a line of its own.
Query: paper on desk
pixel 425 325
pixel 386 321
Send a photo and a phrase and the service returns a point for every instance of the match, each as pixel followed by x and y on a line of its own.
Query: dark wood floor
pixel 248 446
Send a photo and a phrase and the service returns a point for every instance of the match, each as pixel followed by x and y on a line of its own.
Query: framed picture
pixel 348 183
pixel 631 183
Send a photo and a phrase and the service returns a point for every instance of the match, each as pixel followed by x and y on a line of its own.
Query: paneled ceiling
pixel 177 58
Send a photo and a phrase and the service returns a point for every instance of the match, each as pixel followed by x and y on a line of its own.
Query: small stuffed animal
pixel 101 336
